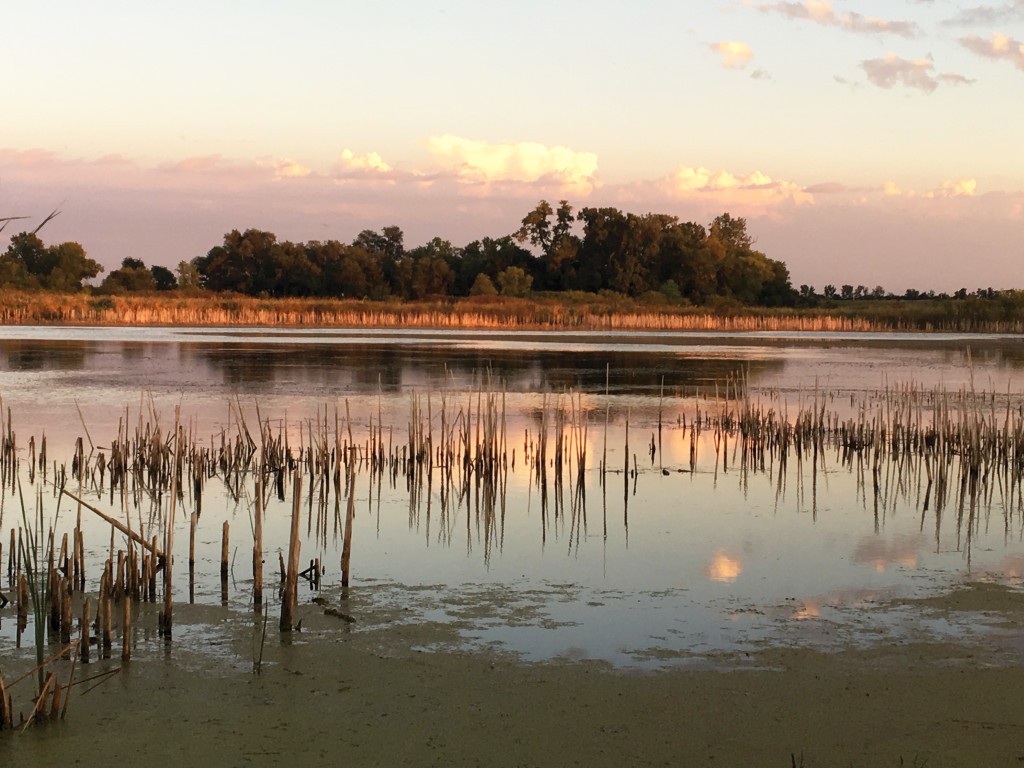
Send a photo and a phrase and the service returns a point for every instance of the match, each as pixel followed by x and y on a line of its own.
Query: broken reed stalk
pixel 126 629
pixel 257 544
pixel 168 620
pixel 290 598
pixel 116 523
pixel 350 514
pixel 192 558
pixel 224 549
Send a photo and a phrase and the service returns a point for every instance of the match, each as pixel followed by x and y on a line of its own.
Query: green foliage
pixel 671 291
pixel 132 277
pixel 591 251
pixel 163 278
pixel 514 282
pixel 30 265
pixel 483 286
pixel 188 276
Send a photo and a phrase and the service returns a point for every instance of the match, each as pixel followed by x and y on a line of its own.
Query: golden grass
pixel 494 313
pixel 542 312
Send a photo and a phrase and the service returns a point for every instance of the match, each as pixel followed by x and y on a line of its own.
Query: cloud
pixel 371 161
pixel 755 192
pixel 826 188
pixel 962 188
pixel 999 47
pixel 735 55
pixel 988 14
pixel 289 169
pixel 910 73
pixel 821 12
pixel 479 162
pixel 966 187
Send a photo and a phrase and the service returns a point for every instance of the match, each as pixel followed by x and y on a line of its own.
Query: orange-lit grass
pixel 18 308
pixel 571 311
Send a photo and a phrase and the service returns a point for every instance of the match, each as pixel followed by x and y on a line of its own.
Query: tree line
pixel 555 249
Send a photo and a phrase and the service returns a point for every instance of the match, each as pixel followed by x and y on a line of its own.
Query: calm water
pixel 672 564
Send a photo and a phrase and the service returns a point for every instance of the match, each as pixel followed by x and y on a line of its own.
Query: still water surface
pixel 673 563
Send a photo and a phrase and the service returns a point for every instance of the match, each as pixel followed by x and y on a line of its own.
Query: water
pixel 674 564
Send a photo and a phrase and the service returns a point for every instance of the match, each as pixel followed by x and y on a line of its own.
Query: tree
pixel 163 278
pixel 188 276
pixel 671 291
pixel 244 263
pixel 133 276
pixel 483 286
pixel 554 238
pixel 28 264
pixel 731 231
pixel 514 282
pixel 489 257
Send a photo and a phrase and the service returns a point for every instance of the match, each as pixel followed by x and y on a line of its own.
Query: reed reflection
pixel 393 368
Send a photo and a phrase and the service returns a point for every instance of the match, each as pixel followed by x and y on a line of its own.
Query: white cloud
pixel 289 169
pixel 821 12
pixel 484 163
pixel 961 188
pixel 754 192
pixel 735 55
pixel 371 161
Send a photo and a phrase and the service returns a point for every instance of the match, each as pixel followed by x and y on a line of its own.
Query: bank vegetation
pixel 592 269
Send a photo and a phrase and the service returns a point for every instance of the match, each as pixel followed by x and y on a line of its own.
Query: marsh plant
pixel 37 554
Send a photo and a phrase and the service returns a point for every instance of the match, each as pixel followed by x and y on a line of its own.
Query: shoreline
pixel 329 695
pixel 375 697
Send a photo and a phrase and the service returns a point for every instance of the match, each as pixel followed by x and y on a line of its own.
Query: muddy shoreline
pixel 411 694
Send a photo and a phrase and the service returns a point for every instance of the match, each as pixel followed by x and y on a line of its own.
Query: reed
pixel 553 312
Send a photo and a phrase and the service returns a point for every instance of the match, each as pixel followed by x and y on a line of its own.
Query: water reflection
pixel 26 355
pixel 723 568
pixel 602 527
pixel 882 554
pixel 396 368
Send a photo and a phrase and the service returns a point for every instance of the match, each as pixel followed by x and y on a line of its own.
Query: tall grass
pixel 37 557
pixel 543 312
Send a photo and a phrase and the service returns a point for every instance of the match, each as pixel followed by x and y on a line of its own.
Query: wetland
pixel 601 547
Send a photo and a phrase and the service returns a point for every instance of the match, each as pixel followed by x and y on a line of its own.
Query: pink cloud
pixel 999 46
pixel 918 74
pixel 821 12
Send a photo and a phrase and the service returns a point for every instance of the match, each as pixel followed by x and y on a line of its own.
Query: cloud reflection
pixel 881 553
pixel 723 568
pixel 837 599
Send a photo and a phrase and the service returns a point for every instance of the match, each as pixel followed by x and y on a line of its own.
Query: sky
pixel 865 142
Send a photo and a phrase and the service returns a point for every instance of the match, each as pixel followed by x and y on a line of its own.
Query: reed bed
pixel 499 313
pixel 960 450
